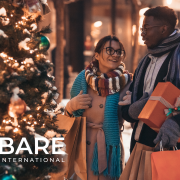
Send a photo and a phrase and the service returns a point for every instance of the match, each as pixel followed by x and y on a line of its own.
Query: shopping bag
pixel 80 158
pixel 72 126
pixel 145 172
pixel 132 167
pixel 165 165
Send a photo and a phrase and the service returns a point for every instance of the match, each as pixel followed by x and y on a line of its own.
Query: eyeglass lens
pixel 111 51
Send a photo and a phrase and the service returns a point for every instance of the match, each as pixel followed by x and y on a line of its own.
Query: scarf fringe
pixel 94 164
pixel 115 162
pixel 105 173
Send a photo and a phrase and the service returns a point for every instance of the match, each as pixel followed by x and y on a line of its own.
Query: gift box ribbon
pixel 171 109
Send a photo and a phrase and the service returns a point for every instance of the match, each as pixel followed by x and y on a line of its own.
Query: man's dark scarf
pixel 173 74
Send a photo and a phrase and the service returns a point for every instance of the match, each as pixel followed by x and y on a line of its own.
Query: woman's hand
pixel 81 101
pixel 126 99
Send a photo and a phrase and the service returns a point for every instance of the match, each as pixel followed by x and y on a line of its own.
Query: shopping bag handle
pixel 161 147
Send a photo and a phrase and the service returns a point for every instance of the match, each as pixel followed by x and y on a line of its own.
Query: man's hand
pixel 126 99
pixel 81 101
pixel 136 107
pixel 169 133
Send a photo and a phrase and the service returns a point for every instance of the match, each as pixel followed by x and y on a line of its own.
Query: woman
pixel 95 95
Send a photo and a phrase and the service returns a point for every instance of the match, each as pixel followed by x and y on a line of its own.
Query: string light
pixel 38 108
pixel 11 15
pixel 3 55
pixel 16 129
pixel 30 116
pixel 24 119
pixel 4 121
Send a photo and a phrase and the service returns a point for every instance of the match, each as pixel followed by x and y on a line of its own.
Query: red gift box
pixel 162 102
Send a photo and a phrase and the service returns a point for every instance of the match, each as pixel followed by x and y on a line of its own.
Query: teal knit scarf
pixel 110 127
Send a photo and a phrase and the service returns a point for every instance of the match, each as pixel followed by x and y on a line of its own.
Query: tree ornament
pixel 17 106
pixel 45 43
pixel 8 177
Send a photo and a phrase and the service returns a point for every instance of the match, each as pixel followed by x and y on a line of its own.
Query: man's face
pixel 152 34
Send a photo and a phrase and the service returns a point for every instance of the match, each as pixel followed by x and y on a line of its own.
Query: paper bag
pixel 132 167
pixel 145 172
pixel 165 165
pixel 75 141
pixel 80 158
pixel 72 125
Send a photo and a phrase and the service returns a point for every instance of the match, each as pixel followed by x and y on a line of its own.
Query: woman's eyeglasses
pixel 111 51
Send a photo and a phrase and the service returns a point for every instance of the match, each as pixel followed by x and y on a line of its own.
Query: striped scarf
pixel 173 74
pixel 105 84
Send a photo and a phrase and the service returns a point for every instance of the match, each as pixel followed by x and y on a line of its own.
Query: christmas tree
pixel 27 95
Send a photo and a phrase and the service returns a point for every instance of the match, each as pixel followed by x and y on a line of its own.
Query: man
pixel 161 64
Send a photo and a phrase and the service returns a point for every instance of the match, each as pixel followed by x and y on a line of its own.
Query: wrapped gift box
pixel 153 113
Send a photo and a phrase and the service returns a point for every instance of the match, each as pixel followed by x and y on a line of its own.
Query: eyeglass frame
pixel 121 55
pixel 145 31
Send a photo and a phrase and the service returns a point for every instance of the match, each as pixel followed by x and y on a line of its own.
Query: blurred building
pixel 86 21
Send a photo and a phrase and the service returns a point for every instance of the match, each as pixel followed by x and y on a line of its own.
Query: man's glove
pixel 136 107
pixel 169 133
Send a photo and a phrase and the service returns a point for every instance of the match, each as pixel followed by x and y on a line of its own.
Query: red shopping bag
pixel 165 165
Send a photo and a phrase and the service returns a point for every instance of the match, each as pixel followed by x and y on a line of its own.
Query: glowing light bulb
pixel 98 24
pixel 169 2
pixel 4 121
pixel 38 108
pixel 11 15
pixel 16 129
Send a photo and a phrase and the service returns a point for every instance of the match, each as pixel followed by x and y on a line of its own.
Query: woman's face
pixel 108 62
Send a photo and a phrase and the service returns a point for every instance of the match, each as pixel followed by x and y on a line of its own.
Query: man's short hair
pixel 163 13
